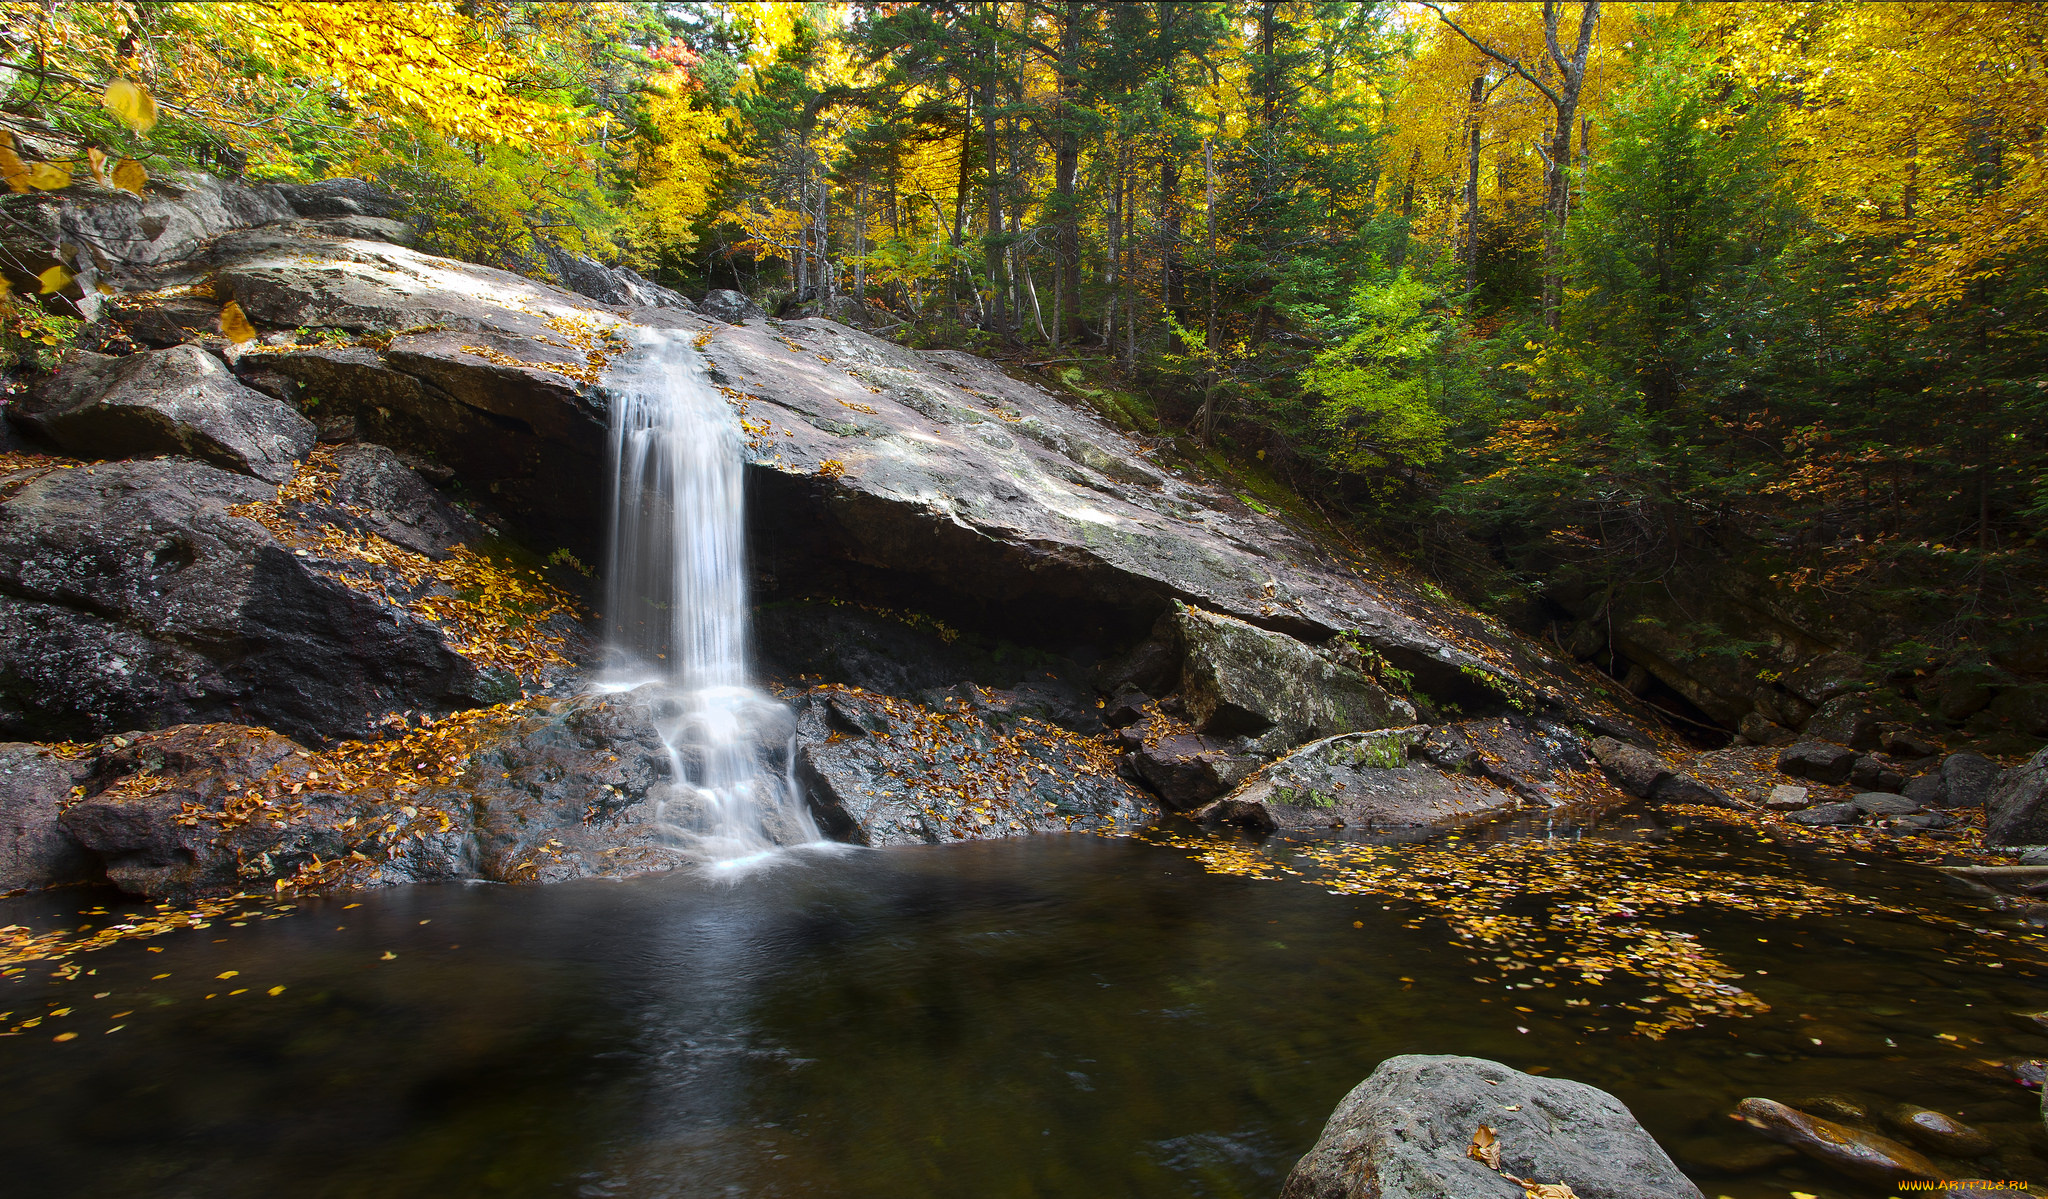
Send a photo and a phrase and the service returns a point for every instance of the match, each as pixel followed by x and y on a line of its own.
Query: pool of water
pixel 1042 1017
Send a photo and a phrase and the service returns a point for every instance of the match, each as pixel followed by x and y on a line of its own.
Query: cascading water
pixel 676 602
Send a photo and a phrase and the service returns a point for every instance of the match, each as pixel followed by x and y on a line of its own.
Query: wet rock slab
pixel 882 770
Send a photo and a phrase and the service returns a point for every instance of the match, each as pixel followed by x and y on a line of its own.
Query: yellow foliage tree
pixel 1920 125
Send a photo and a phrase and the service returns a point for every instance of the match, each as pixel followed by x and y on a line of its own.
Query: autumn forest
pixel 1561 301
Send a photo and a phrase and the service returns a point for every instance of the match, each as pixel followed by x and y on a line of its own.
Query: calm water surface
pixel 1048 1017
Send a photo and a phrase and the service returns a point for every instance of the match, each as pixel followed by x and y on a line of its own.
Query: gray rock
pixel 377 493
pixel 1967 779
pixel 1760 729
pixel 730 306
pixel 1820 761
pixel 1785 798
pixel 554 790
pixel 609 284
pixel 125 240
pixel 1524 755
pixel 35 851
pixel 1827 813
pixel 1850 720
pixel 1873 773
pixel 2016 811
pixel 1240 680
pixel 1880 803
pixel 1184 768
pixel 962 785
pixel 1962 690
pixel 132 597
pixel 1685 788
pixel 341 197
pixel 1906 744
pixel 180 400
pixel 2023 708
pixel 1635 769
pixel 1361 782
pixel 1828 677
pixel 1927 790
pixel 931 473
pixel 1403 1134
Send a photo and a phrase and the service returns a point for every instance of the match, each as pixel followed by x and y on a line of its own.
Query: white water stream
pixel 676 608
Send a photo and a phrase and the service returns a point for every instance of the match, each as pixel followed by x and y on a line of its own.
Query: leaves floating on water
pixel 1535 915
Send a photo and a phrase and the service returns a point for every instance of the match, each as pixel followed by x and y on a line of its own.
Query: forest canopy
pixel 1556 296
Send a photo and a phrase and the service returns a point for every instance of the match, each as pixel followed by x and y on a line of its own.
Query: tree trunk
pixel 1473 125
pixel 1209 214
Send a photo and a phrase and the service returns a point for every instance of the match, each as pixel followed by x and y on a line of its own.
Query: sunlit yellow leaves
pixel 235 324
pixel 130 175
pixel 132 104
pixel 424 60
pixel 54 280
pixel 96 161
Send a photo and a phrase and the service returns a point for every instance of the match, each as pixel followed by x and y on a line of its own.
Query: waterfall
pixel 676 607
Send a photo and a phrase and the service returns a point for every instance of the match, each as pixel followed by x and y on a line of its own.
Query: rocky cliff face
pixel 991 612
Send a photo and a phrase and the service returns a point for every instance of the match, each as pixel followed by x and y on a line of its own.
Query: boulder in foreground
pixel 1404 1133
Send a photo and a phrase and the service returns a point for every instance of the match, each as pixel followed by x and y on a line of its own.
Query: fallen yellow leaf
pixel 130 175
pixel 53 280
pixel 235 324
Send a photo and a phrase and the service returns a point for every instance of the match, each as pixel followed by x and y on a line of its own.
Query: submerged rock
pixel 1858 1154
pixel 1939 1132
pixel 1405 1132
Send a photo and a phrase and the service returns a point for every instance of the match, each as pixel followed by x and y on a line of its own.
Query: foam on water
pixel 676 608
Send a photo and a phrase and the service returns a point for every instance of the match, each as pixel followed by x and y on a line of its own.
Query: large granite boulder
pixel 180 400
pixel 35 849
pixel 1241 680
pixel 1408 1131
pixel 2016 810
pixel 140 594
pixel 1361 782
